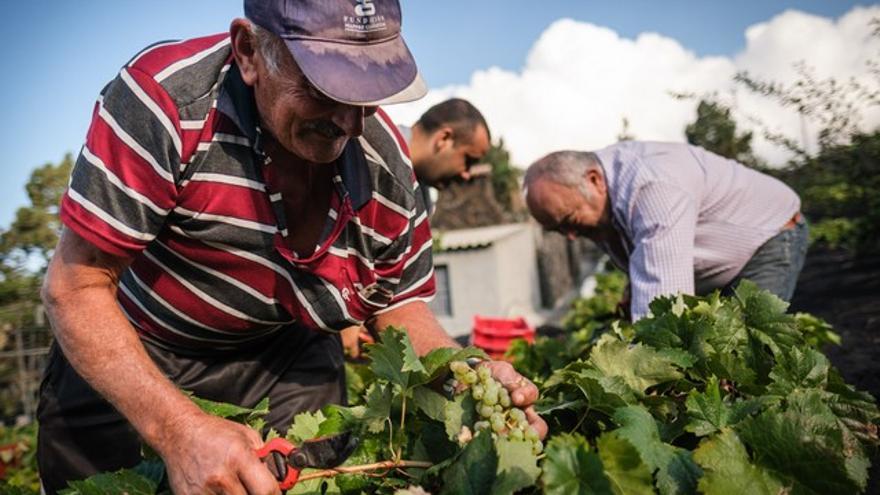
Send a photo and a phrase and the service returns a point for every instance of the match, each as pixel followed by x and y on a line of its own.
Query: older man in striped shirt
pixel 239 199
pixel 675 217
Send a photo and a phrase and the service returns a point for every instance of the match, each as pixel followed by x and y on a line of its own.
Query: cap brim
pixel 379 73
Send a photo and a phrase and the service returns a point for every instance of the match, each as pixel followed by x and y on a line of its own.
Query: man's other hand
pixel 353 338
pixel 523 393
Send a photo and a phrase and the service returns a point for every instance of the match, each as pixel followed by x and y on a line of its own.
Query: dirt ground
pixel 845 291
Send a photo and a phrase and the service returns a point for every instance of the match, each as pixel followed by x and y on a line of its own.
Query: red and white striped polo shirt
pixel 172 175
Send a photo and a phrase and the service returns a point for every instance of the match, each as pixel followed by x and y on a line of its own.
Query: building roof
pixel 476 238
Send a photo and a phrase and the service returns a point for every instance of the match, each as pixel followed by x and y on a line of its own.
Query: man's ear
pixel 596 178
pixel 443 138
pixel 244 50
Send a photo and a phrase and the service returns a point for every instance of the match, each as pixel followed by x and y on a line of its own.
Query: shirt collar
pixel 236 102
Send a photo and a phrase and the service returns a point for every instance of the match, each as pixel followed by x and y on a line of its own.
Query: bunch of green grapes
pixel 494 407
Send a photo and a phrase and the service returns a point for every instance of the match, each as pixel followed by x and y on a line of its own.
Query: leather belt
pixel 793 222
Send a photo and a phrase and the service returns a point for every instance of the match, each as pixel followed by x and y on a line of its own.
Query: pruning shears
pixel 285 460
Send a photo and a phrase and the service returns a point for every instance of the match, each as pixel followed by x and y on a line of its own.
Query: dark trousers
pixel 776 265
pixel 81 434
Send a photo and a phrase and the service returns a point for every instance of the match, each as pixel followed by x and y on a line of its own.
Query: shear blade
pixel 324 453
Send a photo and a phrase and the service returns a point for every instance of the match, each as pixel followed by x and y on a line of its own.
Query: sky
pixel 547 74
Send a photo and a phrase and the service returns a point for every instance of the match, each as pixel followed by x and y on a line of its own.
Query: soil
pixel 845 291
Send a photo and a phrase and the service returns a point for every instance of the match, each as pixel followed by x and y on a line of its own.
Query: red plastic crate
pixel 494 335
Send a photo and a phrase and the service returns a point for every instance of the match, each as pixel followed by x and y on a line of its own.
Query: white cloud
pixel 580 80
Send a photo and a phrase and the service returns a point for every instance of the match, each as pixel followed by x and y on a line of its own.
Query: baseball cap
pixel 350 50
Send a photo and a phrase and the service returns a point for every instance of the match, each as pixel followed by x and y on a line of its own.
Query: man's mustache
pixel 325 128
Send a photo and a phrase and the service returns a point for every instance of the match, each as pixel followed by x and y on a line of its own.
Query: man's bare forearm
pixel 102 346
pixel 420 323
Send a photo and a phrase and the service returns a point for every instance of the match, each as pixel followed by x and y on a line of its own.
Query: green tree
pixel 28 243
pixel 840 192
pixel 715 130
pixel 505 176
pixel 35 229
pixel 839 184
pixel 835 107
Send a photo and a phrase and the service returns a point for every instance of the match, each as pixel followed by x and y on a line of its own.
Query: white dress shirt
pixel 688 219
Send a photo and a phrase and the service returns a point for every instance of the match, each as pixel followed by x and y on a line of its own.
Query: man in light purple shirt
pixel 675 217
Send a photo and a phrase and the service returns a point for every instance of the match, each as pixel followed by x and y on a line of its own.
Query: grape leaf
pixel 662 331
pixel 393 358
pixel 124 481
pixel 305 426
pixel 339 419
pixel 604 393
pixel 437 361
pixel 245 415
pixel 760 307
pixel 431 443
pixel 357 377
pixel 676 471
pixel 378 407
pixel 708 412
pixel 798 368
pixel 734 367
pixel 764 315
pixel 857 410
pixel 565 375
pixel 458 412
pixel 640 366
pixel 473 472
pixel 549 405
pixel 517 466
pixel 805 446
pixel 817 332
pixel 727 469
pixel 429 402
pixel 570 467
pixel 721 326
pixel 623 465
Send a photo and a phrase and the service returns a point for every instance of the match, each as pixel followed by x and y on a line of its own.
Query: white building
pixel 488 271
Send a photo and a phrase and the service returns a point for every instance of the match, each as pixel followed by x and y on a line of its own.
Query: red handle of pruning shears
pixel 284 448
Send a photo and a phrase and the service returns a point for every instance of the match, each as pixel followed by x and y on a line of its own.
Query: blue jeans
pixel 775 266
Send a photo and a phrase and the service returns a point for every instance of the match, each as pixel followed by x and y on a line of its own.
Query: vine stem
pixel 399 453
pixel 363 468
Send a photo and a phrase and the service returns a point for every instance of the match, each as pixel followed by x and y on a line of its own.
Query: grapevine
pixel 710 395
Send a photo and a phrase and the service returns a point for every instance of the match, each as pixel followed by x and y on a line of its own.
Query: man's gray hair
pixel 270 46
pixel 567 168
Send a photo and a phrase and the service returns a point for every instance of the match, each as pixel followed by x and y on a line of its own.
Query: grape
pixel 470 377
pixel 477 392
pixel 459 367
pixel 490 397
pixel 531 434
pixel 481 425
pixel 504 398
pixel 517 415
pixel 484 373
pixel 486 411
pixel 537 447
